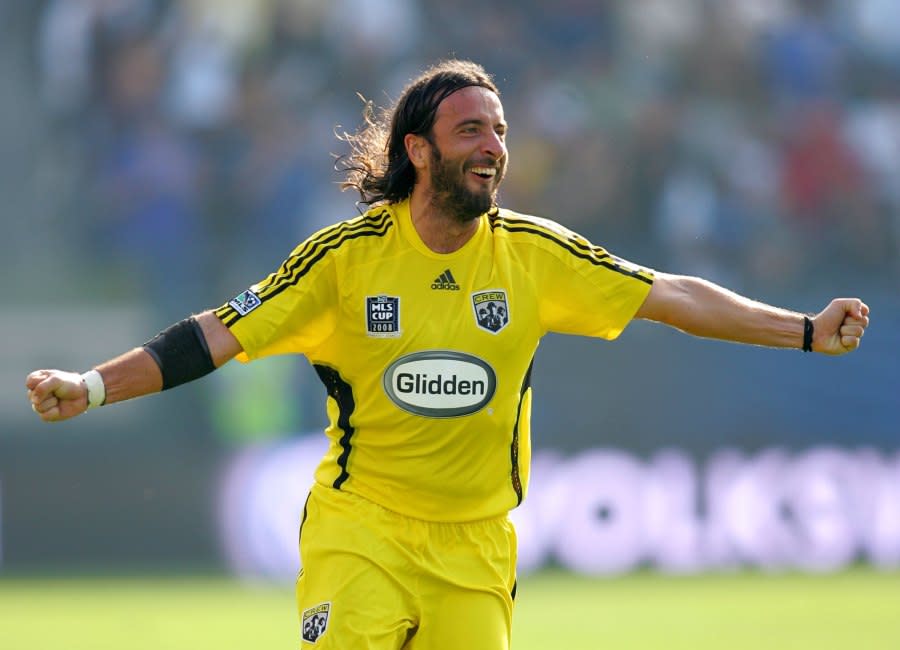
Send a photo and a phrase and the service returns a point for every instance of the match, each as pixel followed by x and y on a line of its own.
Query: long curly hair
pixel 377 165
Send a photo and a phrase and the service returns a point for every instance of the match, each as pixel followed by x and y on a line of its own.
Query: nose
pixel 494 145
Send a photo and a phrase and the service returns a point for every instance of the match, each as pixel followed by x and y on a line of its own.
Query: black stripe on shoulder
pixel 365 223
pixel 314 249
pixel 563 236
pixel 369 219
pixel 596 255
pixel 299 265
pixel 342 393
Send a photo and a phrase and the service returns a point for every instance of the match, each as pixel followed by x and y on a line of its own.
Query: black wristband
pixel 181 353
pixel 807 334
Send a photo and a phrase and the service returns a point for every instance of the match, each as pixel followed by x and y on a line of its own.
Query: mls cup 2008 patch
pixel 383 316
pixel 245 302
pixel 315 622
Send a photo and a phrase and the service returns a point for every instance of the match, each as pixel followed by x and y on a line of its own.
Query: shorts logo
pixel 315 622
pixel 383 316
pixel 491 310
pixel 245 302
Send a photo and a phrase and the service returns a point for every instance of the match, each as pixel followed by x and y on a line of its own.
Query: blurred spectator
pixel 150 185
pixel 874 29
pixel 69 36
pixel 203 80
pixel 370 36
pixel 820 173
pixel 872 129
pixel 269 181
pixel 65 55
pixel 686 221
pixel 873 133
pixel 803 56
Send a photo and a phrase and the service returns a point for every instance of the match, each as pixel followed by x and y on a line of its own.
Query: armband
pixel 181 352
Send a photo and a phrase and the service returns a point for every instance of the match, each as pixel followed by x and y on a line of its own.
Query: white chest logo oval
pixel 440 383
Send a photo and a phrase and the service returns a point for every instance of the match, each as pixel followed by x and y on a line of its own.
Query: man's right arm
pixel 58 395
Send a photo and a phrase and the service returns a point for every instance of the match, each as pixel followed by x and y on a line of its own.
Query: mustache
pixel 499 163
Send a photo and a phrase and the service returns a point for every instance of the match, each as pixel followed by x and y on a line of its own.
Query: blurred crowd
pixel 754 143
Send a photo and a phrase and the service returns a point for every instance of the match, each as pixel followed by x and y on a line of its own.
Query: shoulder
pixel 556 243
pixel 375 221
pixel 372 225
pixel 542 232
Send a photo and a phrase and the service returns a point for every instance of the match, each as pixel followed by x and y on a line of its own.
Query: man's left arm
pixel 702 308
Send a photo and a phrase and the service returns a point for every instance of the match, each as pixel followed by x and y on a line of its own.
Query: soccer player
pixel 421 317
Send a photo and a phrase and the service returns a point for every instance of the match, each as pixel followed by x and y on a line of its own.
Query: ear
pixel 418 149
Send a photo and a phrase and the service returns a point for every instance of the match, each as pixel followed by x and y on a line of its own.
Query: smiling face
pixel 463 160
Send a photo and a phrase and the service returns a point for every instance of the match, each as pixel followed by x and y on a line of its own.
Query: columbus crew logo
pixel 491 310
pixel 315 622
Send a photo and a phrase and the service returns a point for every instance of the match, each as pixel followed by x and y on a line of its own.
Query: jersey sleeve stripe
pixel 290 265
pixel 525 225
pixel 595 255
pixel 368 219
pixel 224 311
pixel 299 264
pixel 303 264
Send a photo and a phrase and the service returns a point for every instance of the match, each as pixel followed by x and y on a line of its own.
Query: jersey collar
pixel 408 230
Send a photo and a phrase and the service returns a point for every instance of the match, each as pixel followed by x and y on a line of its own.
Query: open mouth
pixel 487 173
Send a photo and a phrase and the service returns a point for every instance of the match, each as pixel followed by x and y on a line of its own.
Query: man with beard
pixel 405 540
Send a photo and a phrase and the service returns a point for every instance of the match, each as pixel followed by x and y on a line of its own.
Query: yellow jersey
pixel 426 357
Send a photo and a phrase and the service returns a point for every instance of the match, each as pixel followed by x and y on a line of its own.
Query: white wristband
pixel 96 390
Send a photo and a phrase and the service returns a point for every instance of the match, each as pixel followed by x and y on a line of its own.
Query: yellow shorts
pixel 375 580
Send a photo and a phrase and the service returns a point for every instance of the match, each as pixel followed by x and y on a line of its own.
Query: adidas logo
pixel 445 281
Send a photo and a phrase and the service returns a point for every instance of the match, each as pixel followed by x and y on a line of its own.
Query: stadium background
pixel 158 156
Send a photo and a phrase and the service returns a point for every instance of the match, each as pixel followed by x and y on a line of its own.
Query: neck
pixel 441 232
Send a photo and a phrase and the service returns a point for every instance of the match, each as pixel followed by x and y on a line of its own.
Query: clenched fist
pixel 56 395
pixel 839 327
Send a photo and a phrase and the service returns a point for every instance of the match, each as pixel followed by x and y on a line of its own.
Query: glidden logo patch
pixel 440 383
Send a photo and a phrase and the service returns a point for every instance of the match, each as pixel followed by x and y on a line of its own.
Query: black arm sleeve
pixel 181 352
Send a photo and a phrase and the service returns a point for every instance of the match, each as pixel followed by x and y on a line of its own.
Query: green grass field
pixel 857 610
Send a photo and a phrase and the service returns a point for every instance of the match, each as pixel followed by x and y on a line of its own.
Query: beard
pixel 451 195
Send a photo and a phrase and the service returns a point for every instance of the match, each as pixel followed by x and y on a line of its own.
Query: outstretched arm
pixel 705 309
pixel 59 395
